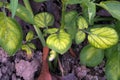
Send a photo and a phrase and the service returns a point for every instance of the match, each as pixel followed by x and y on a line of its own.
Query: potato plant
pixel 75 27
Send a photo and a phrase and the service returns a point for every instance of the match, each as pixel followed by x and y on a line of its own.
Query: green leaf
pixel 89 11
pixel 40 0
pixel 10 34
pixel 91 56
pixel 74 1
pixel 70 23
pixel 23 13
pixel 110 51
pixel 104 37
pixel 13 7
pixel 60 42
pixel 80 37
pixel 82 23
pixel 29 36
pixel 44 19
pixel 113 7
pixel 112 68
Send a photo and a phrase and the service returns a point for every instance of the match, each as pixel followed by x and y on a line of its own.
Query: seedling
pixel 75 27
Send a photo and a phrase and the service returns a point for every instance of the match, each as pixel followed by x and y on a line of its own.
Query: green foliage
pixel 43 19
pixel 70 23
pixel 91 56
pixel 113 7
pixel 112 68
pixel 60 42
pixel 13 6
pixel 103 37
pixel 74 27
pixel 10 34
pixel 89 11
pixel 23 13
pixel 40 0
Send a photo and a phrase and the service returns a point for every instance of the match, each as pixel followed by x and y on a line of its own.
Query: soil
pixel 19 67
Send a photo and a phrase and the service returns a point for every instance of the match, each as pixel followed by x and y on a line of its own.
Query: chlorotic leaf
pixel 113 7
pixel 43 19
pixel 31 45
pixel 82 23
pixel 60 42
pixel 91 56
pixel 51 30
pixel 29 36
pixel 13 6
pixel 10 34
pixel 80 37
pixel 104 37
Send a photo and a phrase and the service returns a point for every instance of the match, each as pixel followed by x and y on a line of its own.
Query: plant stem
pixel 38 31
pixel 40 36
pixel 63 15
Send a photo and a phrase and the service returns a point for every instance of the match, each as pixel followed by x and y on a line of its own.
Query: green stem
pixel 38 31
pixel 40 36
pixel 63 15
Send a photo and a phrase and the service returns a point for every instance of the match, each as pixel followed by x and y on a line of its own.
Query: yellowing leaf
pixel 60 42
pixel 29 36
pixel 103 37
pixel 82 23
pixel 80 37
pixel 43 19
pixel 10 34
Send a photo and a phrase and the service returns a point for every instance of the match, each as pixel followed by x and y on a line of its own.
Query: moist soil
pixel 20 67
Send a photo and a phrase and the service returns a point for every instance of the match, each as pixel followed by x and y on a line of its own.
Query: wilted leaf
pixel 91 56
pixel 80 37
pixel 82 23
pixel 60 42
pixel 10 34
pixel 113 7
pixel 43 19
pixel 103 37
